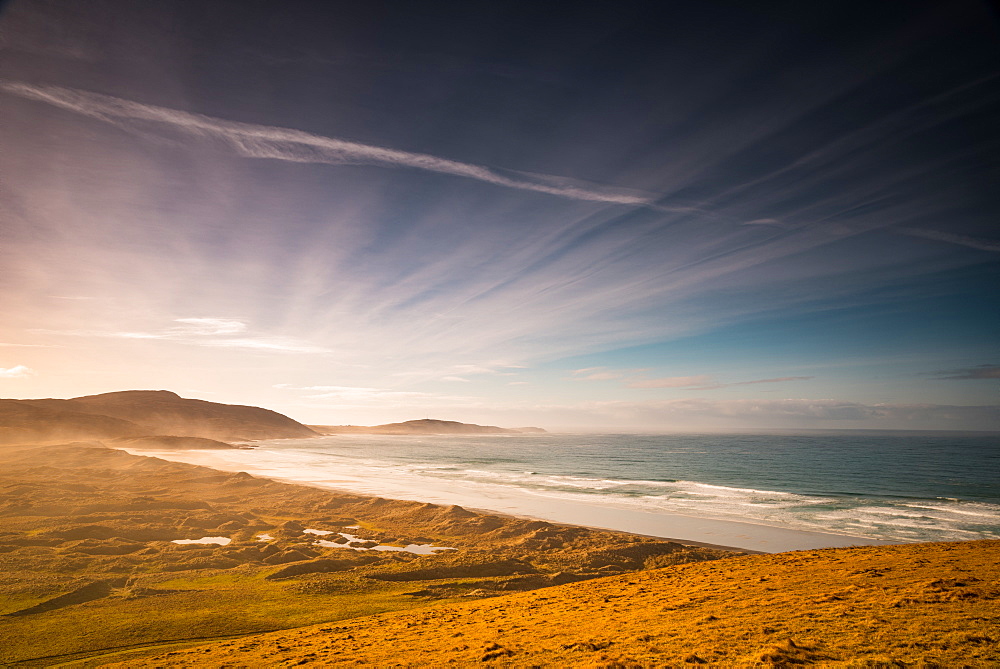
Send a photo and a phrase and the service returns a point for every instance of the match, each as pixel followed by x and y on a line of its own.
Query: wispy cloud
pixel 672 382
pixel 529 281
pixel 457 372
pixel 951 238
pixel 212 332
pixel 603 373
pixel 18 372
pixel 384 398
pixel 780 379
pixel 972 373
pixel 207 326
pixel 261 141
pixel 696 382
pixel 602 376
pixel 273 344
pixel 12 345
pixel 795 412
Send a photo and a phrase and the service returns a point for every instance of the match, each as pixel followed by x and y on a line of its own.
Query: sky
pixel 629 216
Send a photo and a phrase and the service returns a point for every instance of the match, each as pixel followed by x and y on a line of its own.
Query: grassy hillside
pixel 89 565
pixel 928 605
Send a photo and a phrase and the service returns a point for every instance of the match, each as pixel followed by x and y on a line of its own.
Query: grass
pixel 106 516
pixel 920 605
pixel 201 605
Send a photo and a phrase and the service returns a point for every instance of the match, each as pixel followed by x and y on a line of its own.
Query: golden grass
pixel 913 605
pixel 89 568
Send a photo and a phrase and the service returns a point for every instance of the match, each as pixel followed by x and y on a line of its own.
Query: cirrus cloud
pixel 972 373
pixel 261 141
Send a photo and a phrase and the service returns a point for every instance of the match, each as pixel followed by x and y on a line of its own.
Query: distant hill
pixel 21 421
pixel 424 426
pixel 141 413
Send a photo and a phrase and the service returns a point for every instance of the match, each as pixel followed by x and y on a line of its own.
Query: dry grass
pixel 89 567
pixel 915 605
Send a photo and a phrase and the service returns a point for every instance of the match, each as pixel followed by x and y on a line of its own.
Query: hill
pixel 22 421
pixel 887 606
pixel 138 413
pixel 424 426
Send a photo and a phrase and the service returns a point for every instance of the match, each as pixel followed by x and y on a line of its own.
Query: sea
pixel 874 487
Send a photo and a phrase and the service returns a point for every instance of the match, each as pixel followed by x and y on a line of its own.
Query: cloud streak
pixel 10 345
pixel 383 398
pixel 962 240
pixel 702 380
pixel 18 372
pixel 262 141
pixel 210 332
pixel 794 412
pixel 696 382
pixel 972 373
pixel 780 379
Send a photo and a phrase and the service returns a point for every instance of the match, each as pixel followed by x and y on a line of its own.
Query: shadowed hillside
pixel 22 421
pixel 135 413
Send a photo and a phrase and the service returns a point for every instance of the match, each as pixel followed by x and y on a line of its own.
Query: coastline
pixel 684 529
pixel 96 539
pixel 90 546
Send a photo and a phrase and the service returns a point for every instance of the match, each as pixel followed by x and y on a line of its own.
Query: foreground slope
pixel 135 413
pixel 90 567
pixel 917 604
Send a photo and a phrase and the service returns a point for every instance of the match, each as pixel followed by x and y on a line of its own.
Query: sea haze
pixel 876 487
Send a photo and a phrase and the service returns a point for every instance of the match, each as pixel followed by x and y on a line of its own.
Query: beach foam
pixel 579 479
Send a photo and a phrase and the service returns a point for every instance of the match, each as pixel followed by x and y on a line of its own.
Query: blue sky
pixel 645 216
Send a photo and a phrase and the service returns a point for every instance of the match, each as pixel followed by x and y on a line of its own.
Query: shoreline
pixel 690 530
pixel 97 526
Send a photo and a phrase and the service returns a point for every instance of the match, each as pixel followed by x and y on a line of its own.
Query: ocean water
pixel 875 486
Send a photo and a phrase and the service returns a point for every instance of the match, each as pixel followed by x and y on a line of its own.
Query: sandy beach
pixel 673 527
